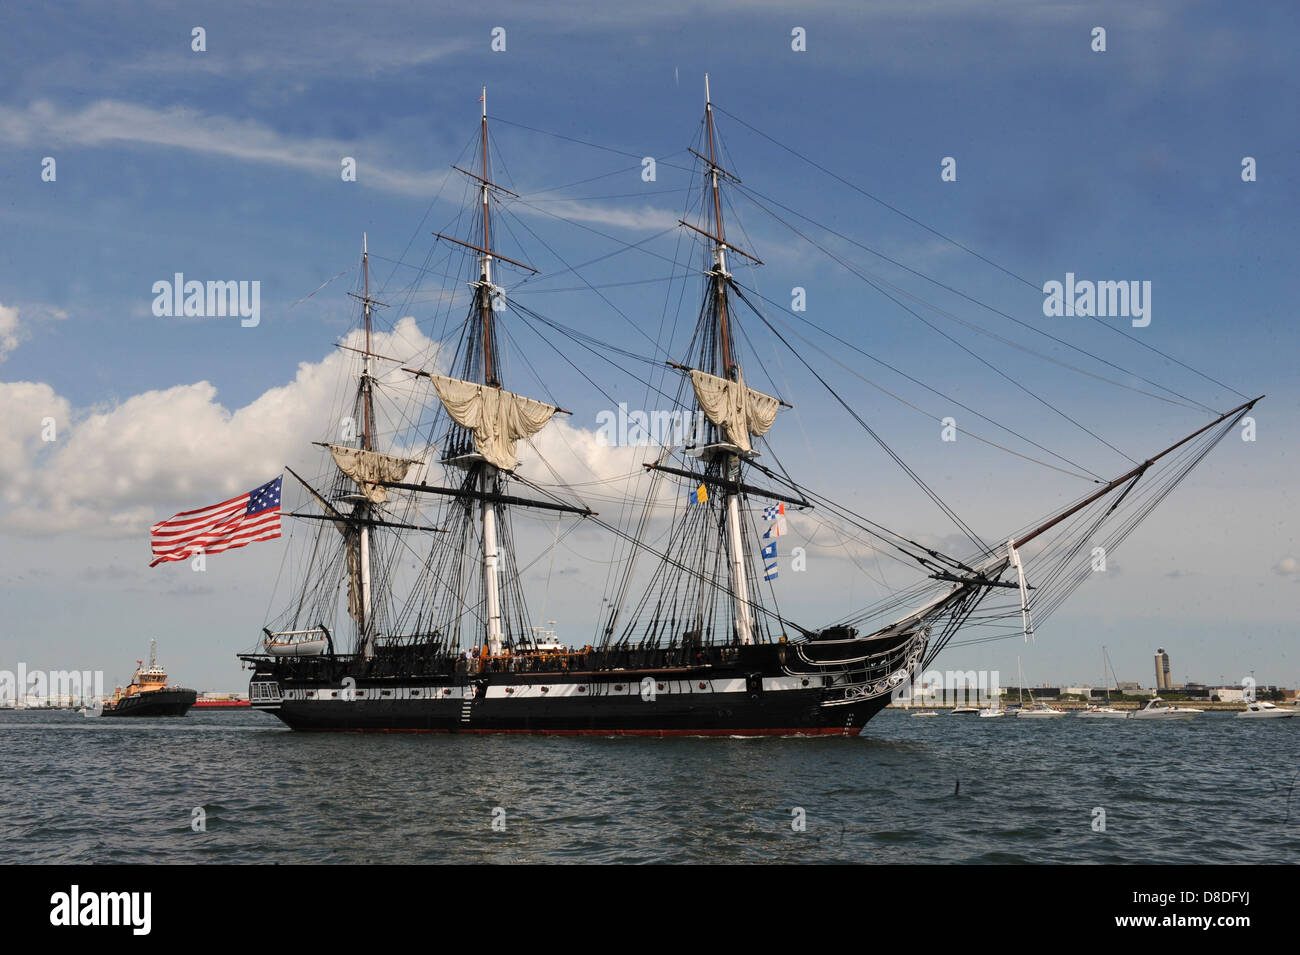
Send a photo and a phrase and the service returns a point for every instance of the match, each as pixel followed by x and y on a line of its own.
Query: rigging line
pixel 599 294
pixel 581 182
pixel 437 195
pixel 1041 400
pixel 884 535
pixel 668 559
pixel 627 246
pixel 579 337
pixel 524 312
pixel 1148 345
pixel 881 532
pixel 614 195
pixel 581 142
pixel 959 245
pixel 877 199
pixel 857 374
pixel 961 525
pixel 583 288
pixel 750 194
pixel 318 288
pixel 523 354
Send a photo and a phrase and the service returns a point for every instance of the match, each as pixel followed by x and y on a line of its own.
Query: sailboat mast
pixel 487 507
pixel 730 370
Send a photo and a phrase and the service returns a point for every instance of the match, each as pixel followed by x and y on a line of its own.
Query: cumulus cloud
pixel 8 330
pixel 114 470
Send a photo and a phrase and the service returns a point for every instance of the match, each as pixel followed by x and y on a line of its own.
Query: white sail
pixel 369 467
pixel 737 410
pixel 497 418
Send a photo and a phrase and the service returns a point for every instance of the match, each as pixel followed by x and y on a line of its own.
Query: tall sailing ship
pixel 691 643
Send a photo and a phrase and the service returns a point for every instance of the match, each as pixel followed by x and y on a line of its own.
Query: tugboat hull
pixel 169 702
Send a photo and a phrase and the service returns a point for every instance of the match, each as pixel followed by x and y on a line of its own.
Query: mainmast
pixel 730 370
pixel 487 507
pixel 719 273
pixel 362 509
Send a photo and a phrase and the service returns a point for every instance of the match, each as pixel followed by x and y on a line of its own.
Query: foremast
pixel 493 418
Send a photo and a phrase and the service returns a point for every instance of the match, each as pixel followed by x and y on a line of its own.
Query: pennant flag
pixel 701 494
pixel 254 516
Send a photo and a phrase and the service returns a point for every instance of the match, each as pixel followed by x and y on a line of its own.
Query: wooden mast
pixel 487 494
pixel 741 614
pixel 719 257
pixel 485 276
pixel 487 506
pixel 365 381
pixel 367 443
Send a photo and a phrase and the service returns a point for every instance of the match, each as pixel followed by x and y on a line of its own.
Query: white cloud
pixel 114 470
pixel 8 330
pixel 110 122
pixel 113 122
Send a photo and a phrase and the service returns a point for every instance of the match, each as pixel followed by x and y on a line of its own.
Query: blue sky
pixel 224 164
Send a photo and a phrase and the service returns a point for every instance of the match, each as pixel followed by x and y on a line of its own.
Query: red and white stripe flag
pixel 254 516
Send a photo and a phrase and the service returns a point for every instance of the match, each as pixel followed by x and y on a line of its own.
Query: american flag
pixel 254 516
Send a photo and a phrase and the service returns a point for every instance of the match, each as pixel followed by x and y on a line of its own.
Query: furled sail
pixel 368 468
pixel 352 540
pixel 497 418
pixel 737 410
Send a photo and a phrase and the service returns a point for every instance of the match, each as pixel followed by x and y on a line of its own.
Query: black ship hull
pixel 745 691
pixel 169 702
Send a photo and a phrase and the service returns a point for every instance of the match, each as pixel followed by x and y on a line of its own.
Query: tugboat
pixel 148 693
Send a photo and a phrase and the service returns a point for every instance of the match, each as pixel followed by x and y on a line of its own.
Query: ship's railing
pixel 264 691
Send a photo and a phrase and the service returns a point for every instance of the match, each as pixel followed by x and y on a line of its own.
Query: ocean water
pixel 951 789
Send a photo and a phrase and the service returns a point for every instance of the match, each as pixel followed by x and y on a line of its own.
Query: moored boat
pixel 1103 713
pixel 1157 709
pixel 1262 710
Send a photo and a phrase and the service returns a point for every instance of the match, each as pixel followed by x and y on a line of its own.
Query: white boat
pixel 1103 713
pixel 965 710
pixel 1106 712
pixel 1158 709
pixel 925 713
pixel 297 643
pixel 993 711
pixel 1039 711
pixel 1035 710
pixel 1259 710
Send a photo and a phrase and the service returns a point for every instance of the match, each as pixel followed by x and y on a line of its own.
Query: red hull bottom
pixel 656 734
